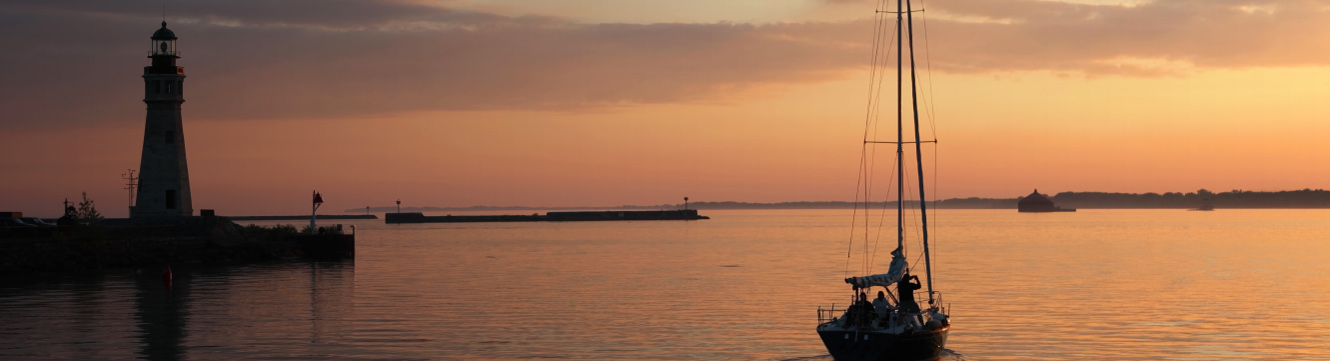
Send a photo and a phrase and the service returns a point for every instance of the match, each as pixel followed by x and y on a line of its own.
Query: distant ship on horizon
pixel 1206 205
pixel 1036 202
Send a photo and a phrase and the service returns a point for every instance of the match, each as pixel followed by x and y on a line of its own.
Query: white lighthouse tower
pixel 163 172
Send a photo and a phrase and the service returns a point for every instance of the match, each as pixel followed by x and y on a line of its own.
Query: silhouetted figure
pixel 865 312
pixel 906 290
pixel 860 312
pixel 880 305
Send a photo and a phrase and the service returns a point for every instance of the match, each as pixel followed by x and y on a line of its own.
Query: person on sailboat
pixel 860 312
pixel 906 290
pixel 865 310
pixel 880 305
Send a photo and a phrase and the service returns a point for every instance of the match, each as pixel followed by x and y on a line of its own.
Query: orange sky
pixel 460 103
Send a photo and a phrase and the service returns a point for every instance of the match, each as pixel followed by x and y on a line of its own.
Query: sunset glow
pixel 598 103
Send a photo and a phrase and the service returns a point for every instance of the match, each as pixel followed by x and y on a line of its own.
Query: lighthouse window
pixel 168 87
pixel 152 87
pixel 170 137
pixel 170 199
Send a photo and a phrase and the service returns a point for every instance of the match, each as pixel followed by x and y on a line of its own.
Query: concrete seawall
pixel 662 215
pixel 302 218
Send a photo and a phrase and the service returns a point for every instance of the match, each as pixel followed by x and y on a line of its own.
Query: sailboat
pixel 895 327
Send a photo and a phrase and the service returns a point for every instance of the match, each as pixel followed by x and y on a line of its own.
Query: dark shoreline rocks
pixel 201 242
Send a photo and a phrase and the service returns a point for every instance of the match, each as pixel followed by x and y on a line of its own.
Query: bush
pixel 87 211
pixel 273 233
pixel 322 230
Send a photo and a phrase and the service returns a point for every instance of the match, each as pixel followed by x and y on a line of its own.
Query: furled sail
pixel 894 273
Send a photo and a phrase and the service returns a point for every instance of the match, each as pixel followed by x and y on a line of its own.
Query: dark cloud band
pixel 76 62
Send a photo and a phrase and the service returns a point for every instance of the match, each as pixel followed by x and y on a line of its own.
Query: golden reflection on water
pixel 1091 285
pixel 1143 284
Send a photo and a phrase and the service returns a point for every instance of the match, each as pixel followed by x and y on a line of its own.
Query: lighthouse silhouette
pixel 163 189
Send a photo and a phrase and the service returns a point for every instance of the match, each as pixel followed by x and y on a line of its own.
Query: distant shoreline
pixel 1298 199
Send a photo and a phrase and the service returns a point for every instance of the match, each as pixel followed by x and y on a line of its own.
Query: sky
pixel 456 103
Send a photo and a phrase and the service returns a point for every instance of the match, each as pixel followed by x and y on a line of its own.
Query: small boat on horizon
pixel 1039 203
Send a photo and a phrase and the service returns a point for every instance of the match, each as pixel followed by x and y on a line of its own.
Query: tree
pixel 87 211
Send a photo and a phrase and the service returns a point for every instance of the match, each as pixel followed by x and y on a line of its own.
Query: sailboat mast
pixel 919 154
pixel 900 130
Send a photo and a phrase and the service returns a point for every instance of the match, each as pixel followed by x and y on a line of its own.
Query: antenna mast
pixel 131 184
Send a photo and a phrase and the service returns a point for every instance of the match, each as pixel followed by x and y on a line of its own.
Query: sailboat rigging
pixel 896 329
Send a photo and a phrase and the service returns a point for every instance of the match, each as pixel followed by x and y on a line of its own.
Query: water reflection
pixel 161 312
pixel 741 288
pixel 85 302
pixel 330 298
pixel 290 308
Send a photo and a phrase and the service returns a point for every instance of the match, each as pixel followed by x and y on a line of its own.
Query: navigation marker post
pixel 318 201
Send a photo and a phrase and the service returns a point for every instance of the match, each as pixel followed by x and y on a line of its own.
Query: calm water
pixel 1091 285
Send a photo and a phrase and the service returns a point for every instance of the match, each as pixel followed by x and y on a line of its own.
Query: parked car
pixel 13 222
pixel 36 222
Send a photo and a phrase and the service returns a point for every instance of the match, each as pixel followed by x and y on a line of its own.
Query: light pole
pixel 313 213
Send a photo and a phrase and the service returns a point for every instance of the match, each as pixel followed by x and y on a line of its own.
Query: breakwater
pixel 184 241
pixel 659 215
pixel 302 218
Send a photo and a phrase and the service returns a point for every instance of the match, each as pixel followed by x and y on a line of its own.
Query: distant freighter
pixel 662 215
pixel 1036 202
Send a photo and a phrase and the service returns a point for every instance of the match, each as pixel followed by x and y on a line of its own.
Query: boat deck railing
pixel 937 302
pixel 826 314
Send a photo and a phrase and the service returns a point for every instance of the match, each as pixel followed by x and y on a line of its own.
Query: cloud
pixel 1129 39
pixel 76 61
pixel 1133 38
pixel 364 58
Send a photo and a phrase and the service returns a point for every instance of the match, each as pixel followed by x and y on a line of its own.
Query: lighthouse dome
pixel 163 33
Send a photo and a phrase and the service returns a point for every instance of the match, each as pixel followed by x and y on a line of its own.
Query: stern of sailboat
pixel 860 345
pixel 899 336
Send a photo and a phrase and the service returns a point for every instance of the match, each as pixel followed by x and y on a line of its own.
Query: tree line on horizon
pixel 1305 198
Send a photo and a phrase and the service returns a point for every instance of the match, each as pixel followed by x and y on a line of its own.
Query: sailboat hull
pixel 882 346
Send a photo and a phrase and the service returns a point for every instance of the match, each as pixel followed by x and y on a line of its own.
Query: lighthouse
pixel 163 189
